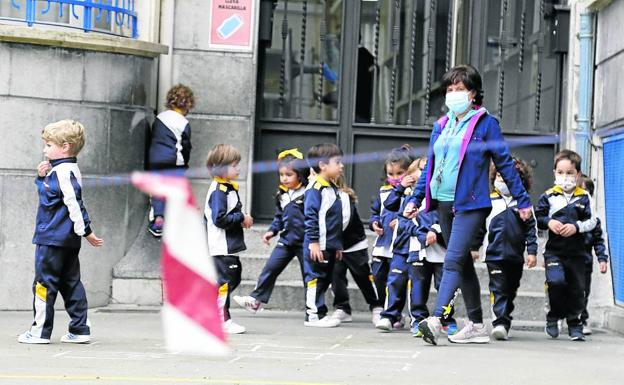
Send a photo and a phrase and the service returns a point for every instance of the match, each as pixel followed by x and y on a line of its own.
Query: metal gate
pixel 366 75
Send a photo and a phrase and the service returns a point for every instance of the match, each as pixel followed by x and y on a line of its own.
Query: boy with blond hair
pixel 62 221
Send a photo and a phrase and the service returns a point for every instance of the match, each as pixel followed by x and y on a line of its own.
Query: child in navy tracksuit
pixel 595 241
pixel 398 279
pixel 62 221
pixel 507 238
pixel 322 243
pixel 567 212
pixel 170 145
pixel 354 259
pixel 384 219
pixel 225 221
pixel 288 223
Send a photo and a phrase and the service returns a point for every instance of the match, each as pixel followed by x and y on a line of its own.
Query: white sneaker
pixel 342 316
pixel 28 338
pixel 430 328
pixel 471 334
pixel 385 325
pixel 500 333
pixel 72 338
pixel 248 303
pixel 376 313
pixel 231 327
pixel 325 322
pixel 587 330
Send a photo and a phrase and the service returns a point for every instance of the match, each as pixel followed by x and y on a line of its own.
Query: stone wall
pixel 224 84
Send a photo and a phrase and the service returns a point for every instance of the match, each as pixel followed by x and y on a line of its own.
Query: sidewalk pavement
pixel 127 348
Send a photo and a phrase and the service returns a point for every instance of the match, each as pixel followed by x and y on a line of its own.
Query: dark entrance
pixel 365 75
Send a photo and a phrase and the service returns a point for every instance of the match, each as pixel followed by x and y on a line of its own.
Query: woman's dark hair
pixel 468 75
pixel 299 166
pixel 403 156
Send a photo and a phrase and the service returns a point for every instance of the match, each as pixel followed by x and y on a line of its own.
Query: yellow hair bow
pixel 293 151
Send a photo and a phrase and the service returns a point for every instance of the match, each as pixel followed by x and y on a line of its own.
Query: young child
pixel 170 145
pixel 426 260
pixel 593 239
pixel 288 223
pixel 398 285
pixel 567 212
pixel 323 231
pixel 354 259
pixel 62 221
pixel 507 238
pixel 383 219
pixel 225 221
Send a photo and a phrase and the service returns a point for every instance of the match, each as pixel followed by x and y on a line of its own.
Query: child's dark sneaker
pixel 156 227
pixel 576 333
pixel 552 329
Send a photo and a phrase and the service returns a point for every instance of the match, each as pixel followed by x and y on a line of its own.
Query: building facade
pixel 291 73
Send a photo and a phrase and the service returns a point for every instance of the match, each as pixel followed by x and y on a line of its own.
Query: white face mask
pixel 457 101
pixel 501 187
pixel 566 182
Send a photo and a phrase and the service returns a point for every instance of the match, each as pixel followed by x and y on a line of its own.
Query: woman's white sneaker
pixel 231 327
pixel 472 333
pixel 71 338
pixel 28 338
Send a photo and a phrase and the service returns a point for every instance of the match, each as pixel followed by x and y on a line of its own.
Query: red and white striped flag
pixel 191 317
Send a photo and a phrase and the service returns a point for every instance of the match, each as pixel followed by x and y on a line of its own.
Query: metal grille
pixel 614 190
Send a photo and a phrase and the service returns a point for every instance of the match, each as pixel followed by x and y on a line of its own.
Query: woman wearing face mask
pixel 455 181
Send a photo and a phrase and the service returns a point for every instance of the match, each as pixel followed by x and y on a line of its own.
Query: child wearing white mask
pixel 506 239
pixel 567 212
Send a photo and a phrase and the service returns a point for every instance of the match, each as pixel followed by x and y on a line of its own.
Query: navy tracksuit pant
pixel 57 270
pixel 380 267
pixel 565 280
pixel 504 283
pixel 589 267
pixel 398 287
pixel 279 259
pixel 229 271
pixel 420 274
pixel 357 263
pixel 158 205
pixel 318 277
pixel 459 230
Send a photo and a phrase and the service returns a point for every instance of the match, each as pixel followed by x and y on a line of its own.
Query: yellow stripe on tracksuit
pixel 311 297
pixel 41 291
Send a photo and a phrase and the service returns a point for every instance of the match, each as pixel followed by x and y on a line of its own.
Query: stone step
pixel 289 295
